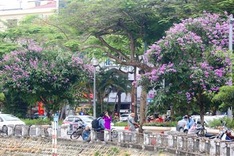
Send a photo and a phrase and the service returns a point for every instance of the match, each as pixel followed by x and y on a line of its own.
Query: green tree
pixel 122 29
pixel 112 80
pixel 225 96
pixel 192 59
pixel 39 75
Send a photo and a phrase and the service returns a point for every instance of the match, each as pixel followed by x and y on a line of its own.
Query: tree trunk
pixel 202 110
pixel 119 102
pixel 142 108
pixel 62 112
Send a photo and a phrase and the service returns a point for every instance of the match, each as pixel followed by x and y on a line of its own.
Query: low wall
pixel 176 143
pixel 173 142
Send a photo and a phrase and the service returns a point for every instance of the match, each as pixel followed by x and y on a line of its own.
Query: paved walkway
pixel 43 147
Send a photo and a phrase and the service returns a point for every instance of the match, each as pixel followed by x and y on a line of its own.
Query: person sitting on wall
pixel 159 119
pixel 86 134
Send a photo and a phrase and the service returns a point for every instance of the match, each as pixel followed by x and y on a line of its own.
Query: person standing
pixel 99 128
pixel 190 122
pixel 81 112
pixel 131 123
pixel 107 121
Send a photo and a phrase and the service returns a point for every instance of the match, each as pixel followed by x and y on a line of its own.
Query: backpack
pixel 95 123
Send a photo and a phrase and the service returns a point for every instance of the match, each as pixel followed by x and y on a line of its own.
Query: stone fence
pixel 176 143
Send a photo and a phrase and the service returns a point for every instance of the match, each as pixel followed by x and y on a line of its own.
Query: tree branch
pixel 122 55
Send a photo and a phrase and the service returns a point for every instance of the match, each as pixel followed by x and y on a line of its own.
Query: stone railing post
pixel 170 141
pixel 223 148
pixel 202 144
pixel 190 144
pixel 38 131
pixel 120 137
pixel 24 131
pixel 179 142
pixel 133 137
pixel 64 134
pixel 146 138
pixel 107 135
pixel 10 130
pixel 231 145
pixel 93 135
pixel 159 139
pixel 212 147
pixel 50 131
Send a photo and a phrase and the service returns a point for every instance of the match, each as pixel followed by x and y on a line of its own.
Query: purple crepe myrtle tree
pixel 192 58
pixel 41 75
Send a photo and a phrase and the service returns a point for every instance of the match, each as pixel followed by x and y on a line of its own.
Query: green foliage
pixel 39 121
pixel 123 29
pixel 121 124
pixel 6 47
pixel 112 80
pixel 35 28
pixel 225 96
pixel 217 123
pixel 162 124
pixel 115 149
pixel 191 63
pixel 97 153
pixel 15 104
pixel 37 75
pixel 2 97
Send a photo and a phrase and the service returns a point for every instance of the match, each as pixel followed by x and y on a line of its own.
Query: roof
pixel 51 4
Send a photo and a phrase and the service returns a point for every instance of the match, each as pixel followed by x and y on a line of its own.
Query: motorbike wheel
pixel 75 135
pixel 114 133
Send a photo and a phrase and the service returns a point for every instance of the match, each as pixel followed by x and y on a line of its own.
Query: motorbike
pixel 225 133
pixel 200 131
pixel 168 118
pixel 77 132
pixel 114 133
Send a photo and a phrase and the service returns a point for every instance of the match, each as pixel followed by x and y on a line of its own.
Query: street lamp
pixel 230 37
pixel 230 49
pixel 95 64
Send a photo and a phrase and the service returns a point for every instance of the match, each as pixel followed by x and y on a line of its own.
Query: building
pixel 12 11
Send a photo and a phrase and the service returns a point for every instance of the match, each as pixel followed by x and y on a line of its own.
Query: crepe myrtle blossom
pixel 195 50
pixel 30 68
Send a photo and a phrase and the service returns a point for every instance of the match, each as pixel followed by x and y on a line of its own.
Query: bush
pixel 121 123
pixel 38 121
pixel 161 124
pixel 158 124
pixel 217 123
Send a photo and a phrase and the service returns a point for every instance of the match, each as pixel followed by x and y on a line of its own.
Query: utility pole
pixel 231 51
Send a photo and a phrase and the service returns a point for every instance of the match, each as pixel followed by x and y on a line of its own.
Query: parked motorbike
pixel 77 132
pixel 114 133
pixel 200 131
pixel 168 118
pixel 225 133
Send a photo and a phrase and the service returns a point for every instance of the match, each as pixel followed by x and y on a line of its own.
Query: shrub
pixel 158 124
pixel 38 121
pixel 121 124
pixel 217 123
pixel 161 124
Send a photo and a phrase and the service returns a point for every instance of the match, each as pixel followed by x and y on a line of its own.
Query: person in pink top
pixel 107 120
